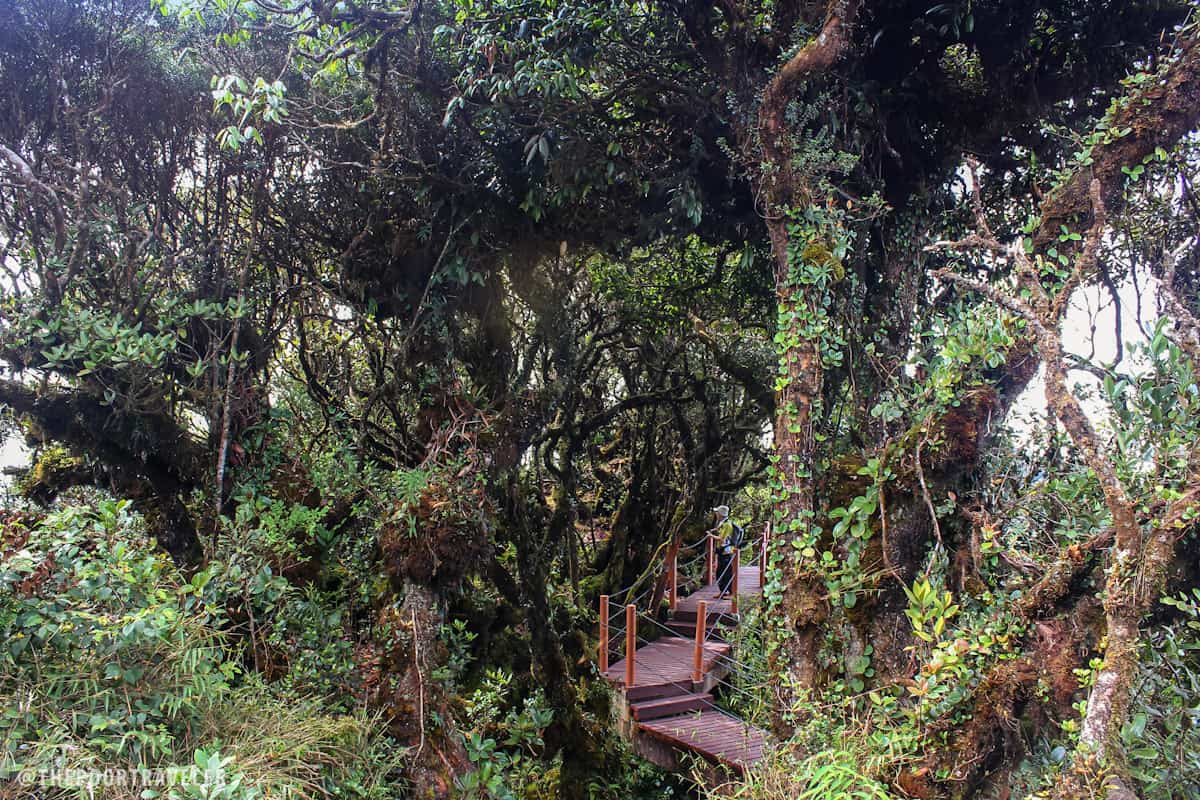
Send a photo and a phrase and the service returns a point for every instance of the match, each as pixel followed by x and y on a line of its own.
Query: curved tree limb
pixel 27 177
pixel 150 458
pixel 1158 113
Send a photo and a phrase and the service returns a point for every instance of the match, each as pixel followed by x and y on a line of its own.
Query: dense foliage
pixel 363 345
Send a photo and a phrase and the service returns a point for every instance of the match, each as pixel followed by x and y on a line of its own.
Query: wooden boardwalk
pixel 667 661
pixel 748 585
pixel 667 713
pixel 713 734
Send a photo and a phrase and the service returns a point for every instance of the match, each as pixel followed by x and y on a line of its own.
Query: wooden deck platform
pixel 667 660
pixel 748 586
pixel 712 734
pixel 666 713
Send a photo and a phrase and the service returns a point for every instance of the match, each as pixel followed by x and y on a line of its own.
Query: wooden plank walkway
pixel 748 586
pixel 714 734
pixel 666 706
pixel 666 661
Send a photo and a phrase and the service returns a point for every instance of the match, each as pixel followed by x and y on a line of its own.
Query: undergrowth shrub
pixel 837 755
pixel 112 660
pixel 1162 737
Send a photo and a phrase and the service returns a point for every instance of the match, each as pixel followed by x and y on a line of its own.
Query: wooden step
pixel 670 706
pixel 656 691
pixel 713 734
pixel 689 615
pixel 687 630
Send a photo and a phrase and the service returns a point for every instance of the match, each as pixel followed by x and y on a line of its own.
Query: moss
pixel 844 481
pixel 545 787
pixel 818 254
pixel 1001 700
pixel 54 471
pixel 442 535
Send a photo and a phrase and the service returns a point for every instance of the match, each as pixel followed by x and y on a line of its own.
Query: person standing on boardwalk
pixel 729 537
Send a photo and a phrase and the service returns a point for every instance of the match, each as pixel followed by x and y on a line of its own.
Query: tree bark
pixel 802 604
pixel 413 699
pixel 150 459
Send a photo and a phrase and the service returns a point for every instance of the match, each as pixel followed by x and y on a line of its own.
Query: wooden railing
pixel 710 567
pixel 698 649
pixel 672 596
pixel 603 634
pixel 630 643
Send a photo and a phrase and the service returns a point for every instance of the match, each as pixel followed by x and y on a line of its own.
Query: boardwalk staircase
pixel 668 675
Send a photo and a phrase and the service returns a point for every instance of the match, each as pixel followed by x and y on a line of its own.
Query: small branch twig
pixel 25 173
pixel 420 684
pixel 937 529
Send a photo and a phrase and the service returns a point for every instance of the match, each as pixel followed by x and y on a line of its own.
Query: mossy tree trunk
pixel 802 272
pixel 413 699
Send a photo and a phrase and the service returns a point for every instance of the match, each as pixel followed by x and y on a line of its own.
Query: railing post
pixel 673 579
pixel 603 634
pixel 630 643
pixel 762 558
pixel 698 651
pixel 710 570
pixel 737 560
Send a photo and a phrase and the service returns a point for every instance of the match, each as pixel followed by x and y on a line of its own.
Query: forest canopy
pixel 360 348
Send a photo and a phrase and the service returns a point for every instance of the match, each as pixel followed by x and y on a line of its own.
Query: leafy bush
pixel 1162 738
pixel 505 743
pixel 847 764
pixel 104 649
pixel 113 660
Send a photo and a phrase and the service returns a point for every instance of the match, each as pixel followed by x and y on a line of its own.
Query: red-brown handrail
pixel 603 634
pixel 737 561
pixel 698 649
pixel 630 643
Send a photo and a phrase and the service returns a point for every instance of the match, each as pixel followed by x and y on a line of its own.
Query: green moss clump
pixel 49 475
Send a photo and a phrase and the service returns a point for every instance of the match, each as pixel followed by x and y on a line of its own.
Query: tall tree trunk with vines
pixel 802 246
